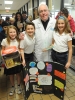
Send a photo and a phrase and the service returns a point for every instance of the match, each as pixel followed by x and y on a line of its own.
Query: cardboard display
pixel 44 78
pixel 11 57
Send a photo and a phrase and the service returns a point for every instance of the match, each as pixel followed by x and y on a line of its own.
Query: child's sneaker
pixel 12 91
pixel 19 90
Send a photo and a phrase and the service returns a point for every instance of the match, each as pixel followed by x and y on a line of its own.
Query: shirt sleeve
pixel 72 24
pixel 69 37
pixel 53 32
pixel 22 44
pixel 3 43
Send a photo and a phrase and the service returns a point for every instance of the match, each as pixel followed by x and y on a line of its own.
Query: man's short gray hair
pixel 40 6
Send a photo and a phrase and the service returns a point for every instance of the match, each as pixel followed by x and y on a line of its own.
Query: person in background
pixel 7 20
pixel 13 15
pixel 58 15
pixel 12 21
pixel 0 30
pixel 27 45
pixel 2 20
pixel 1 25
pixel 65 12
pixel 3 33
pixel 12 40
pixel 19 22
pixel 25 18
pixel 30 18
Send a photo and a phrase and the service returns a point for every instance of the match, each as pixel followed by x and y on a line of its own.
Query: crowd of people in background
pixel 18 20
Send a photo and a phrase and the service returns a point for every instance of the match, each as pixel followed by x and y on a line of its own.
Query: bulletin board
pixel 45 78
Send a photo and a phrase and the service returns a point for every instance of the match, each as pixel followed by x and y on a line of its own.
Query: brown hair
pixel 65 12
pixel 29 23
pixel 8 37
pixel 67 28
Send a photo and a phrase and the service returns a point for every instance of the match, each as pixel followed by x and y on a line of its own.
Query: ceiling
pixel 17 4
pixel 69 4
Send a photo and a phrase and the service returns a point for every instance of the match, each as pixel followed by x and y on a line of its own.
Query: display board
pixel 44 78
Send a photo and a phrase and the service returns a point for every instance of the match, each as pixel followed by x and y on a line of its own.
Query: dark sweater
pixel 45 23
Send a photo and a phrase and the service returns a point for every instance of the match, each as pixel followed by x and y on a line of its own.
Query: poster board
pixel 45 78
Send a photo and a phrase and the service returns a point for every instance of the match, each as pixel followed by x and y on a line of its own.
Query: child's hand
pixel 44 50
pixel 21 25
pixel 67 65
pixel 24 63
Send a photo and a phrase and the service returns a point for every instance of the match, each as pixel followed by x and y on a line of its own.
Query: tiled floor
pixel 5 88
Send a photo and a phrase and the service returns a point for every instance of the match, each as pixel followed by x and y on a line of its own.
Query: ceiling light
pixel 7 7
pixel 69 7
pixel 8 2
pixel 67 4
pixel 42 3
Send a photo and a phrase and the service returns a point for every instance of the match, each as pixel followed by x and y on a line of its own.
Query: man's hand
pixel 21 36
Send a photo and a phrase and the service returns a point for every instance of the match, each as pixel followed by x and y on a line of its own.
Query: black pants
pixel 28 58
pixel 59 57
